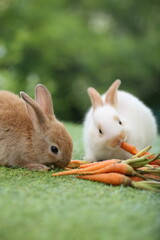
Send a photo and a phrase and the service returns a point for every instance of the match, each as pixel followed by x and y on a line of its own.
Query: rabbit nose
pixel 119 141
pixel 61 164
pixel 121 138
pixel 116 141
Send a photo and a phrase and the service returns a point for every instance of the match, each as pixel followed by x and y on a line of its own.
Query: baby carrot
pixel 155 162
pixel 122 168
pixel 109 178
pixel 91 168
pixel 136 179
pixel 92 164
pixel 117 179
pixel 147 185
pixel 152 176
pixel 133 150
pixel 149 167
pixel 76 163
pixel 129 148
pixel 96 163
pixel 134 162
pixel 155 171
pixel 148 176
pixel 142 152
pixel 89 164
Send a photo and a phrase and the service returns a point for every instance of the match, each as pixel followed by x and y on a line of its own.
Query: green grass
pixel 37 206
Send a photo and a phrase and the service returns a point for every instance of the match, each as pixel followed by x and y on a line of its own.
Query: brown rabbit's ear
pixel 44 99
pixel 111 94
pixel 35 112
pixel 95 97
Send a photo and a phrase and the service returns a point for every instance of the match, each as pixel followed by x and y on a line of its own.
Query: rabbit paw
pixel 37 167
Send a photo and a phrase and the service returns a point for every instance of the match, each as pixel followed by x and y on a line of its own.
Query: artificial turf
pixel 37 206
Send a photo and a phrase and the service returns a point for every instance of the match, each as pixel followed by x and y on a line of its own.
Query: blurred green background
pixel 71 45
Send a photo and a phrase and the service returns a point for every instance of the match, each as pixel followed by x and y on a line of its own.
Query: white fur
pixel 138 123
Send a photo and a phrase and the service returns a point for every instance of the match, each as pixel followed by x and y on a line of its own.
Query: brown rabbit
pixel 30 135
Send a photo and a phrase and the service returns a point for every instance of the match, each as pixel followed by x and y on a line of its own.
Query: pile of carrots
pixel 141 171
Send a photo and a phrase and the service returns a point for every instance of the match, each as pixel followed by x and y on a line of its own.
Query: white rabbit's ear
pixel 111 94
pixel 35 112
pixel 44 99
pixel 95 97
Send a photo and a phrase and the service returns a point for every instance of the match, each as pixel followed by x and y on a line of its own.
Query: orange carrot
pixel 120 179
pixel 155 162
pixel 135 163
pixel 115 167
pixel 136 179
pixel 91 168
pixel 129 148
pixel 148 176
pixel 92 164
pixel 89 164
pixel 76 163
pixel 153 166
pixel 133 150
pixel 154 172
pixel 152 176
pixel 109 178
pixel 149 167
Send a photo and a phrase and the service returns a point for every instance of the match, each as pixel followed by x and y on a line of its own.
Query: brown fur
pixel 25 140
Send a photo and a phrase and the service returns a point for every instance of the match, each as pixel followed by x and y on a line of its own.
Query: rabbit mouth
pixel 116 142
pixel 53 165
pixel 60 164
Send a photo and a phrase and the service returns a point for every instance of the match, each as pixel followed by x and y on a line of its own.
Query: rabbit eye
pixel 116 118
pixel 120 122
pixel 54 149
pixel 100 131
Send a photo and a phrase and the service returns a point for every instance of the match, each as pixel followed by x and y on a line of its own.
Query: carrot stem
pixel 142 152
pixel 150 171
pixel 138 162
pixel 147 185
pixel 134 151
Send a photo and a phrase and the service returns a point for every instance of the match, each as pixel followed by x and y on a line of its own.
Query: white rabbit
pixel 115 117
pixel 30 135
